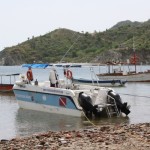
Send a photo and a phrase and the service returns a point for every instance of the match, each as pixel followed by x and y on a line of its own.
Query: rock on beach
pixel 111 137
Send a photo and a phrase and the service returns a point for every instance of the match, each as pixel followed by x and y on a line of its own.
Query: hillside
pixel 114 44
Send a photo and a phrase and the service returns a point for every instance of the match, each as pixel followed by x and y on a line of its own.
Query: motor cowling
pixel 123 107
pixel 85 102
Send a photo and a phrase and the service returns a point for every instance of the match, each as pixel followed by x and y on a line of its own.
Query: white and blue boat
pixel 100 82
pixel 68 98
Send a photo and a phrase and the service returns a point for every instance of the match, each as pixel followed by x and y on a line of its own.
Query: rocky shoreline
pixel 111 137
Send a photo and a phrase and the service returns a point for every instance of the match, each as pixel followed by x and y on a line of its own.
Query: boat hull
pixel 139 77
pixel 41 99
pixel 6 87
pixel 107 82
pixel 48 108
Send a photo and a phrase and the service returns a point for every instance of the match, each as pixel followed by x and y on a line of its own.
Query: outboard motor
pixel 85 102
pixel 121 106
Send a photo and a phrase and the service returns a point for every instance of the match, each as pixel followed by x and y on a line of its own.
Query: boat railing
pixel 93 76
pixel 112 102
pixel 11 81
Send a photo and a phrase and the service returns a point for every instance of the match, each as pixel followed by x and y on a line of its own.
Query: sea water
pixel 16 122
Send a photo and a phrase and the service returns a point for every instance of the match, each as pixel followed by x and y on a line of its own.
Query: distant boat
pixel 67 65
pixel 76 65
pixel 7 87
pixel 130 76
pixel 107 83
pixel 99 82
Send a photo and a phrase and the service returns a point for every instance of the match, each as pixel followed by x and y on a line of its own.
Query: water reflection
pixel 138 96
pixel 8 109
pixel 29 122
pixel 112 121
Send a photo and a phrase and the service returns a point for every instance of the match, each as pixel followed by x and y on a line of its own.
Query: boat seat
pixel 94 97
pixel 101 97
pixel 65 84
pixel 47 83
pixel 61 83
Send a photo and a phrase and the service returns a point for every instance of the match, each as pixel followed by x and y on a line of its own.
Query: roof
pixel 36 65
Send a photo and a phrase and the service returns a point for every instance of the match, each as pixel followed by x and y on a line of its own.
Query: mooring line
pixel 135 95
pixel 88 119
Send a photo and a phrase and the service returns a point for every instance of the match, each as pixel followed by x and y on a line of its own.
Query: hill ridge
pixel 90 47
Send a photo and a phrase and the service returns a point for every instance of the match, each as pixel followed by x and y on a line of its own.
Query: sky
pixel 22 19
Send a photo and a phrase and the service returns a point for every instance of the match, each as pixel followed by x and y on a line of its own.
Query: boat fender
pixel 69 74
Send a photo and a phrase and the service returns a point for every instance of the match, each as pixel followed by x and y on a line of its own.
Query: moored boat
pixel 99 82
pixel 7 86
pixel 128 76
pixel 68 98
pixel 67 65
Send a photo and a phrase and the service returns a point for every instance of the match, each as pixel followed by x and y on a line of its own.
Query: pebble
pixel 120 137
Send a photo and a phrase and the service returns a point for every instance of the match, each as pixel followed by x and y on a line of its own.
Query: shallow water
pixel 16 122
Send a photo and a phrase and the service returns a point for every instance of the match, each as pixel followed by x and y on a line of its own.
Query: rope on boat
pixel 88 119
pixel 70 48
pixel 135 95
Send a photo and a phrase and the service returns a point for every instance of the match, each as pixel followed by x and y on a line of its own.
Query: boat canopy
pixel 43 66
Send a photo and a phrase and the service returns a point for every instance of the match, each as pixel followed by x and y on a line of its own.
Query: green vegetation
pixel 81 47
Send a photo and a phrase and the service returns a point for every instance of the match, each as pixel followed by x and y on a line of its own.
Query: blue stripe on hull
pixel 44 98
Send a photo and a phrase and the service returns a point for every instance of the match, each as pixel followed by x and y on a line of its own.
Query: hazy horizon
pixel 23 19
